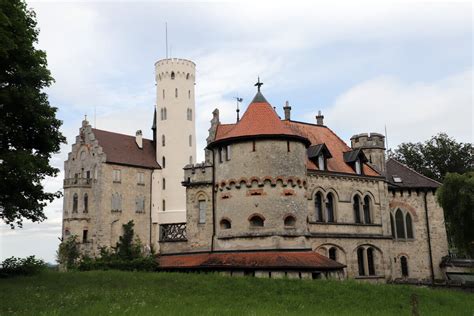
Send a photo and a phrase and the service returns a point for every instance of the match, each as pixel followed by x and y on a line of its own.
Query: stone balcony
pixel 77 183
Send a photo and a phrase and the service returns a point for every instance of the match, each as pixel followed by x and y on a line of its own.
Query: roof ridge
pixel 413 170
pixel 103 130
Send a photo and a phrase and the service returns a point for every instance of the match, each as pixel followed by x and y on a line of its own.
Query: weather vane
pixel 259 84
pixel 238 110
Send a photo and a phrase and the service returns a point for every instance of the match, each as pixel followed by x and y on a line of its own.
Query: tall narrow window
pixel 176 92
pixel 164 184
pixel 220 154
pixel 253 146
pixel 392 226
pixel 163 162
pixel 190 140
pixel 84 235
pixel 189 94
pixel 165 113
pixel 86 203
pixel 318 201
pixel 321 162
pixel 400 224
pixel 333 253
pixel 163 140
pixel 360 261
pixel 409 225
pixel 202 211
pixel 163 94
pixel 190 114
pixel 164 205
pixel 370 261
pixel 404 266
pixel 288 146
pixel 88 174
pixel 330 207
pixel 190 160
pixel 358 166
pixel 356 208
pixel 367 210
pixel 74 203
pixel 117 177
pixel 172 75
pixel 140 178
pixel 227 153
pixel 162 114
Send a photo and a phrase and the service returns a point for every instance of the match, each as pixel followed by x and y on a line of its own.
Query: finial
pixel 259 84
pixel 238 110
pixel 85 117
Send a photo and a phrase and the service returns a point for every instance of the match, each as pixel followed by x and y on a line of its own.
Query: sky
pixel 403 65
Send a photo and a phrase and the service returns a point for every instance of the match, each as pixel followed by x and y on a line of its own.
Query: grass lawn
pixel 141 293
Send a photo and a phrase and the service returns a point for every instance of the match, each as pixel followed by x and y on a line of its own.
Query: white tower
pixel 175 134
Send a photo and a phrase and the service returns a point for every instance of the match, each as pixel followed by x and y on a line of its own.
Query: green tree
pixel 456 196
pixel 29 129
pixel 68 252
pixel 437 156
pixel 127 248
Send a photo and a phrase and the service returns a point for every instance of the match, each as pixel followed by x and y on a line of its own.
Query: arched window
pixel 163 140
pixel 74 203
pixel 367 210
pixel 333 253
pixel 86 203
pixel 404 266
pixel 225 224
pixel 176 92
pixel 400 225
pixel 330 208
pixel 202 211
pixel 409 225
pixel 356 207
pixel 256 221
pixel 370 261
pixel 318 203
pixel 360 261
pixel 290 221
pixel 392 226
pixel 163 162
pixel 172 75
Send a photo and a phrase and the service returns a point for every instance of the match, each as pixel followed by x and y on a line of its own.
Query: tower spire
pixel 259 84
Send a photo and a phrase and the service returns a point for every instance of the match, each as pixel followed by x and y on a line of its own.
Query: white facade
pixel 175 136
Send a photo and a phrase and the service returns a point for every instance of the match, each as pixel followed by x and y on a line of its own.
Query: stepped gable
pixel 122 149
pixel 409 177
pixel 320 134
pixel 259 121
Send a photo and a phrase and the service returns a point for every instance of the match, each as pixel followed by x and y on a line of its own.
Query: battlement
pixel 197 174
pixel 368 140
pixel 175 61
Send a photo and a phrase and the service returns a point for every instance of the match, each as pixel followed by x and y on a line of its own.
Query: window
pixel 189 114
pixel 187 76
pixel 164 184
pixel 165 112
pixel 253 146
pixel 163 162
pixel 116 202
pixel 220 155
pixel 288 146
pixel 367 210
pixel 67 232
pixel 330 207
pixel 356 208
pixel 88 174
pixel 392 226
pixel 172 75
pixel 164 205
pixel 256 221
pixel 190 140
pixel 202 211
pixel 318 201
pixel 358 167
pixel 409 225
pixel 116 175
pixel 162 115
pixel 86 203
pixel 75 202
pixel 333 253
pixel 227 153
pixel 400 224
pixel 163 94
pixel 190 160
pixel 321 164
pixel 84 235
pixel 360 261
pixel 140 178
pixel 189 91
pixel 404 266
pixel 176 92
pixel 290 221
pixel 163 140
pixel 225 224
pixel 140 204
pixel 370 261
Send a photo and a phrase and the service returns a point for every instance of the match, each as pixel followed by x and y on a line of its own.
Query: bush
pixel 138 264
pixel 68 252
pixel 21 266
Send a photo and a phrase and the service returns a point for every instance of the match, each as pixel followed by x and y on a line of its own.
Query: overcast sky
pixel 406 65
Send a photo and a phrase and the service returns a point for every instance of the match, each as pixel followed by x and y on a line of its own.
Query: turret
pixel 373 146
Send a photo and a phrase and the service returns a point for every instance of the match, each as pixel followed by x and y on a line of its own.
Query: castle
pixel 274 197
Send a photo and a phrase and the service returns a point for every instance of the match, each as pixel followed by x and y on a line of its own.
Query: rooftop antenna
pixel 166 38
pixel 238 110
pixel 386 138
pixel 95 116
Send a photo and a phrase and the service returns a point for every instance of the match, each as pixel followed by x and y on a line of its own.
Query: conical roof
pixel 259 121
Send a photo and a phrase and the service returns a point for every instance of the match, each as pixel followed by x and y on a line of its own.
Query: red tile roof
pixel 277 260
pixel 319 134
pixel 260 119
pixel 122 149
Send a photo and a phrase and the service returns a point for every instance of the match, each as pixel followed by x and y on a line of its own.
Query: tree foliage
pixel 128 248
pixel 68 252
pixel 29 130
pixel 456 196
pixel 437 156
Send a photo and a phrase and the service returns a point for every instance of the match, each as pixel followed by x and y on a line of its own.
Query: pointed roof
pixel 259 121
pixel 407 177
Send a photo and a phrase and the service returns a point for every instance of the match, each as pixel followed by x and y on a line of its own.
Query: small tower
pixel 175 133
pixel 373 146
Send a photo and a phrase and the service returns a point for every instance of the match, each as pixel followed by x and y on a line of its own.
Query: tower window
pixel 163 140
pixel 176 92
pixel 74 203
pixel 290 221
pixel 164 205
pixel 404 266
pixel 287 146
pixel 84 235
pixel 367 210
pixel 220 155
pixel 164 184
pixel 190 160
pixel 356 208
pixel 202 211
pixel 227 153
pixel 86 203
pixel 253 146
pixel 163 94
pixel 225 224
pixel 187 76
pixel 172 75
pixel 189 114
pixel 190 140
pixel 163 162
pixel 256 221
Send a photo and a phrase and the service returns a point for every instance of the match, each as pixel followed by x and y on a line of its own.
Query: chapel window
pixel 202 211
pixel 409 225
pixel 366 208
pixel 404 266
pixel 330 207
pixel 318 201
pixel 399 222
pixel 356 208
pixel 370 261
pixel 360 261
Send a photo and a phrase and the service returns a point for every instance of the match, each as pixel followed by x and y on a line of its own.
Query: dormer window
pixel 397 179
pixel 355 158
pixel 319 154
pixel 358 168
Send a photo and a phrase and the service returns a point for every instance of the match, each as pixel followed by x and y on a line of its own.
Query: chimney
pixel 319 118
pixel 287 109
pixel 139 139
